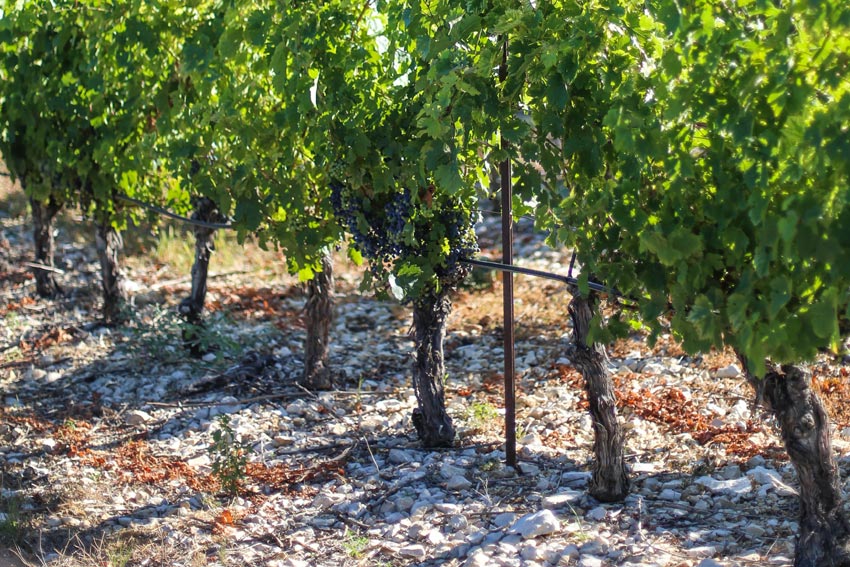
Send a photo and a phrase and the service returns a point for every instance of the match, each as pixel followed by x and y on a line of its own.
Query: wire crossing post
pixel 508 287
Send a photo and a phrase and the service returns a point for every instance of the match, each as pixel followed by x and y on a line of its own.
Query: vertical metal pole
pixel 508 286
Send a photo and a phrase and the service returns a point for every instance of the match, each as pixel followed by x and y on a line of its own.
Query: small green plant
pixel 120 554
pixel 354 544
pixel 229 457
pixel 480 414
pixel 581 535
pixel 159 335
pixel 11 522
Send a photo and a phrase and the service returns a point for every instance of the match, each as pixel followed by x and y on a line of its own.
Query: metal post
pixel 508 286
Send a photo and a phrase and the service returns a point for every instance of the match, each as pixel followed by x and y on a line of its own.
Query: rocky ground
pixel 118 449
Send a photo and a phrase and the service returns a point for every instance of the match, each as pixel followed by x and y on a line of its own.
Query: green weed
pixel 479 415
pixel 229 457
pixel 354 544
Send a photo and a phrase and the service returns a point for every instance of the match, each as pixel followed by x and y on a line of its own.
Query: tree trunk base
pixel 432 423
pixel 824 537
pixel 192 307
pixel 320 292
pixel 109 246
pixel 45 247
pixel 610 480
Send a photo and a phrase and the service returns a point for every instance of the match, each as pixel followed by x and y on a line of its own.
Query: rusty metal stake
pixel 508 286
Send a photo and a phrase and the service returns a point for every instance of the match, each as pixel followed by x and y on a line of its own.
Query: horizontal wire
pixel 175 216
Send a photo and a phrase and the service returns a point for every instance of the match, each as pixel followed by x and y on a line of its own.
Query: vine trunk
pixel 320 292
pixel 433 425
pixel 43 215
pixel 824 537
pixel 109 246
pixel 610 480
pixel 192 307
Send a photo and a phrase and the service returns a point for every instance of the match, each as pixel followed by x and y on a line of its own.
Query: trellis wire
pixel 175 216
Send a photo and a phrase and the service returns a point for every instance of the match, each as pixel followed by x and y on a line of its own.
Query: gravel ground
pixel 110 438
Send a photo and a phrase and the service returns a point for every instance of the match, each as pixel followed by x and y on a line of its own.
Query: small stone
pixel 589 561
pixel 560 500
pixel 670 495
pixel 701 551
pixel 458 482
pixel 400 456
pixel 731 371
pixel 458 522
pixel 54 522
pixel 448 471
pixel 504 519
pixel 575 479
pixel 733 486
pixel 323 500
pixel 570 552
pixel 479 559
pixel 597 514
pixel 731 472
pixel 771 479
pixel 404 503
pixel 136 417
pixel 537 524
pixel 709 562
pixel 754 530
pixel 416 551
pixel 435 537
pixel 283 441
pixel 200 462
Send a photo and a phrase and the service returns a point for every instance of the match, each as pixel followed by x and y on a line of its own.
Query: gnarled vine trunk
pixel 824 537
pixel 192 307
pixel 433 425
pixel 320 291
pixel 610 480
pixel 109 246
pixel 45 247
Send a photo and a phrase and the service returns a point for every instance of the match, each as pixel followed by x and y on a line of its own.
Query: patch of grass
pixel 173 246
pixel 123 549
pixel 354 544
pixel 12 524
pixel 119 553
pixel 479 416
pixel 13 201
pixel 160 335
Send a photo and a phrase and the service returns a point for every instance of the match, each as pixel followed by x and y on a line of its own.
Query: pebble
pixel 731 371
pixel 458 482
pixel 701 551
pixel 136 417
pixel 415 551
pixel 561 500
pixel 504 520
pixel 670 494
pixel 538 524
pixel 590 561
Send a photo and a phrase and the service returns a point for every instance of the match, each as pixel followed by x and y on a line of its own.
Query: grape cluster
pixel 376 230
pixel 463 243
pixel 388 227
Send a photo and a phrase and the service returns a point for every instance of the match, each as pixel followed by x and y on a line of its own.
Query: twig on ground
pixel 43 267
